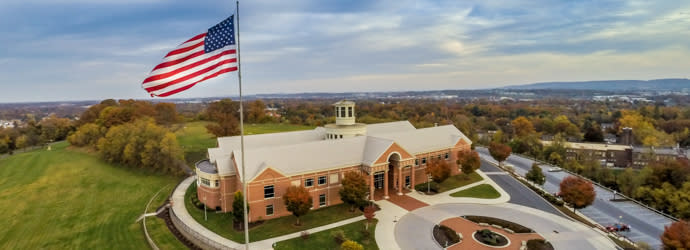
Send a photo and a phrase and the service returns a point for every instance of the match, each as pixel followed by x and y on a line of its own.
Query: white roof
pixel 298 152
pixel 389 127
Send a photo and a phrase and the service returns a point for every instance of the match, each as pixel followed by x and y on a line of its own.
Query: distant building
pixel 392 157
pixel 620 155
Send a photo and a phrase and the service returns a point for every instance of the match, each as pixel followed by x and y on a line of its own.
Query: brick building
pixel 391 156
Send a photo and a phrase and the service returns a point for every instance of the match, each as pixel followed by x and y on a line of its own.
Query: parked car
pixel 618 227
pixel 555 169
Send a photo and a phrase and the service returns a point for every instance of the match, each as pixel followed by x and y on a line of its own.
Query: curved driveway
pixel 413 231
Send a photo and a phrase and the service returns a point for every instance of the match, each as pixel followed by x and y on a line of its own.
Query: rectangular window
pixel 205 182
pixel 217 183
pixel 416 162
pixel 407 181
pixel 309 182
pixel 268 192
pixel 337 111
pixel 322 180
pixel 342 111
pixel 446 156
pixel 269 210
pixel 322 200
pixel 341 136
pixel 349 111
pixel 423 160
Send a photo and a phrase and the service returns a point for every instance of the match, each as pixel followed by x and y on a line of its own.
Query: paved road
pixel 645 225
pixel 519 194
pixel 413 231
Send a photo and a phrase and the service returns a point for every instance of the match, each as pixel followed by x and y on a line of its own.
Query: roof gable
pixel 393 148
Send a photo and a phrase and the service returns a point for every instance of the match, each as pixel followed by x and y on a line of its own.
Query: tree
pixel 522 126
pixel 536 175
pixel 592 131
pixel 256 111
pixel 439 170
pixel 469 161
pixel 369 213
pixel 354 190
pixel 87 135
pixel 676 236
pixel 21 141
pixel 226 117
pixel 627 183
pixel 578 192
pixel 166 113
pixel 238 209
pixel 351 245
pixel 298 201
pixel 499 152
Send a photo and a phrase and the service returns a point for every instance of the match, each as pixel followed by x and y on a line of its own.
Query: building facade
pixel 392 157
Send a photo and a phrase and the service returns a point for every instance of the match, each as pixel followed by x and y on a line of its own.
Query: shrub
pixel 517 228
pixel 365 234
pixel 423 187
pixel 450 234
pixel 539 244
pixel 338 236
pixel 351 245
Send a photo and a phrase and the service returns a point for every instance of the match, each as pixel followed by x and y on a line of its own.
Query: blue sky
pixel 79 49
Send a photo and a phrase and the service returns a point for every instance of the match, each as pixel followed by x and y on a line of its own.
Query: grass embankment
pixel 68 199
pixel 158 231
pixel 483 191
pixel 221 223
pixel 452 182
pixel 195 140
pixel 324 240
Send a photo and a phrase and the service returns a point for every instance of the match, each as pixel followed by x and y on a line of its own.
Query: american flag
pixel 202 57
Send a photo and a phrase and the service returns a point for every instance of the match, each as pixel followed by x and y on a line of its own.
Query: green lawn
pixel 324 240
pixel 195 140
pixel 221 223
pixel 483 191
pixel 67 199
pixel 454 182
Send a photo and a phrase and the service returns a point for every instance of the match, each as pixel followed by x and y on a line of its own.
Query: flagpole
pixel 244 176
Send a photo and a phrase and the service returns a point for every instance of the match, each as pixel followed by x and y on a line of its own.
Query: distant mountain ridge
pixel 613 85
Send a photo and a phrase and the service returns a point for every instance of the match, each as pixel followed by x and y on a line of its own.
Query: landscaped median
pixel 333 238
pixel 221 223
pixel 451 183
pixel 482 191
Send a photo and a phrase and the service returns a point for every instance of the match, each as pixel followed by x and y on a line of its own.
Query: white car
pixel 555 169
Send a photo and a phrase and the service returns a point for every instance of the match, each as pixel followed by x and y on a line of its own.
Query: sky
pixel 54 50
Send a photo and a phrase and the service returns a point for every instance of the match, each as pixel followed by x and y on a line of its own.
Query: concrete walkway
pixel 385 229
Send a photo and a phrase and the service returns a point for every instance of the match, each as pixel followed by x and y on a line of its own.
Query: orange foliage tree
pixel 468 161
pixel 676 235
pixel 369 212
pixel 499 151
pixel 298 201
pixel 577 191
pixel 439 170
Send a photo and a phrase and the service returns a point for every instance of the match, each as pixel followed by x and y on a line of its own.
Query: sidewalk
pixel 385 229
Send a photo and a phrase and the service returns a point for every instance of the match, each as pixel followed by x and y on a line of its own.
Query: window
pixel 423 160
pixel 342 111
pixel 349 111
pixel 341 136
pixel 446 156
pixel 337 111
pixel 322 200
pixel 268 192
pixel 416 162
pixel 206 182
pixel 439 156
pixel 322 180
pixel 269 210
pixel 217 183
pixel 309 182
pixel 407 181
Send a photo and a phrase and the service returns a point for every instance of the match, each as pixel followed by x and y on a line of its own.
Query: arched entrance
pixel 393 169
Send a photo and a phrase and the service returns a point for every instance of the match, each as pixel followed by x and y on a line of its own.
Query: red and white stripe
pixel 188 65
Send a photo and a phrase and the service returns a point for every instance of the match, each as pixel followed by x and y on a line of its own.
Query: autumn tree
pixel 536 175
pixel 522 127
pixel 256 112
pixel 351 245
pixel 577 192
pixel 87 135
pixel 499 152
pixel 676 236
pixel 166 113
pixel 225 117
pixel 627 182
pixel 298 201
pixel 439 170
pixel 54 128
pixel 369 213
pixel 238 209
pixel 469 161
pixel 592 131
pixel 354 190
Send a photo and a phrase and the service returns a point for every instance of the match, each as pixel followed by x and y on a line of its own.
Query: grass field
pixel 483 191
pixel 196 140
pixel 158 231
pixel 324 240
pixel 453 182
pixel 221 223
pixel 67 199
